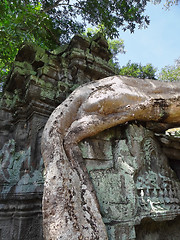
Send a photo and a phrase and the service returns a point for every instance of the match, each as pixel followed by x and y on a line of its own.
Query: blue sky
pixel 159 44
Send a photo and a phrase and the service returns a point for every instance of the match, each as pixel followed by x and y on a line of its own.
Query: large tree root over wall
pixel 70 206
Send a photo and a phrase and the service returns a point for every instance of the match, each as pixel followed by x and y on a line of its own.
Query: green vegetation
pixel 50 23
pixel 138 71
pixel 170 73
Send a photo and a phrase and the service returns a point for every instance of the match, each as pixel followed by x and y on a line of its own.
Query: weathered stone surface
pixel 39 81
pixel 138 185
pixel 152 230
pixel 68 189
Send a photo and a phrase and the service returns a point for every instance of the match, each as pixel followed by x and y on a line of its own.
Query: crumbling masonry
pixel 145 205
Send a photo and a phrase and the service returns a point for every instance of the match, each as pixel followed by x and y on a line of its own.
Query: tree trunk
pixel 70 206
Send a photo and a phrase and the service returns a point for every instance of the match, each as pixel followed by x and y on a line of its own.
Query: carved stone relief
pixel 38 82
pixel 133 182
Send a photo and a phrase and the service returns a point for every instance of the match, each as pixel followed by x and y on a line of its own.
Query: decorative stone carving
pixel 134 183
pixel 39 81
pixel 70 206
pixel 117 160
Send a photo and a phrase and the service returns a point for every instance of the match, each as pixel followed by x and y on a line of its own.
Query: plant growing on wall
pixel 50 23
pixel 116 45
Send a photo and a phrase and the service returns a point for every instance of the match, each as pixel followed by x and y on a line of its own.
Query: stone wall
pixel 138 192
pixel 39 81
pixel 135 168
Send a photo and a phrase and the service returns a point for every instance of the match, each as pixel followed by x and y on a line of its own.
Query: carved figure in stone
pixel 133 182
pixel 70 206
pixel 37 83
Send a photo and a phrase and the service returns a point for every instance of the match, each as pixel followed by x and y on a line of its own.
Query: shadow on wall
pixel 152 230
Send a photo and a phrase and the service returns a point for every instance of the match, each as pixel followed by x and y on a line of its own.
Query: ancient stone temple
pixel 39 81
pixel 138 192
pixel 107 179
pixel 113 183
